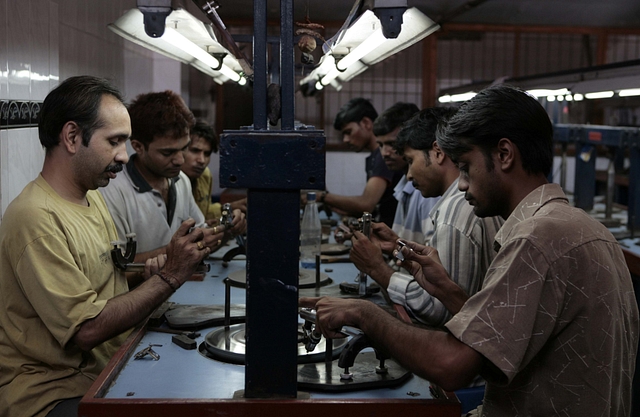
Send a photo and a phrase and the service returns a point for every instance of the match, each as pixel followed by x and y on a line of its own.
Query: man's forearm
pixel 434 355
pixel 123 312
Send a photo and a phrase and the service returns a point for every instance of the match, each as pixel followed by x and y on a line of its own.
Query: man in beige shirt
pixel 65 308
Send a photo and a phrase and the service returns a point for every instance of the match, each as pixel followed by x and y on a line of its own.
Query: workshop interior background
pixel 45 41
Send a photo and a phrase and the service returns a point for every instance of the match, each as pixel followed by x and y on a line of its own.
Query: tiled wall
pixel 29 39
pixel 45 41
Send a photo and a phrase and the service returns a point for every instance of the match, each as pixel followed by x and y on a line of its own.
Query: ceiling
pixel 583 13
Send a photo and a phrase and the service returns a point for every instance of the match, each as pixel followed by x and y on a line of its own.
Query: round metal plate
pixel 228 345
pixel 306 278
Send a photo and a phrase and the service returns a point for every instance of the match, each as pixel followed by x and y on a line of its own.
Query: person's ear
pixel 367 123
pixel 137 146
pixel 71 137
pixel 506 153
pixel 439 155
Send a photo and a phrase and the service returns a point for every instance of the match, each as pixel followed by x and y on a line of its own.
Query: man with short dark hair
pixel 204 141
pixel 355 122
pixel 554 329
pixel 153 197
pixel 65 308
pixel 463 240
pixel 411 220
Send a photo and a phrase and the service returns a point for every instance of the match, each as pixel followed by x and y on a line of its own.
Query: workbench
pixel 184 381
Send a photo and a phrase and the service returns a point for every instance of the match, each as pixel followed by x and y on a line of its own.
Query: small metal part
pixel 309 314
pixel 120 259
pixel 184 342
pixel 399 255
pixel 346 375
pixel 130 394
pixel 190 335
pixel 382 369
pixel 226 220
pixel 413 394
pixel 366 230
pixel 329 270
pixel 148 351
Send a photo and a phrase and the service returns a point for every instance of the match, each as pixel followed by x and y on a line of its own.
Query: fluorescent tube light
pixel 462 97
pixel 362 45
pixel 186 39
pixel 599 94
pixel 541 92
pixel 629 92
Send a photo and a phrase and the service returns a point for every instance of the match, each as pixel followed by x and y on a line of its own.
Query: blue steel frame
pixel 618 139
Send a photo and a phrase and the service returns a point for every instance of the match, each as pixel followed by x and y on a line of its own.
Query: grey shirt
pixel 138 208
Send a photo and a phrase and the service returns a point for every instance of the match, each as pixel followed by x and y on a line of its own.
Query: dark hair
pixel 497 112
pixel 206 132
pixel 393 117
pixel 354 111
pixel 159 114
pixel 76 99
pixel 419 132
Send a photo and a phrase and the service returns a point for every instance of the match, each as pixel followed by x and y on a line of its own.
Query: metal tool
pixel 148 351
pixel 124 260
pixel 309 316
pixel 399 255
pixel 365 223
pixel 209 7
pixel 358 342
pixel 189 334
pixel 226 220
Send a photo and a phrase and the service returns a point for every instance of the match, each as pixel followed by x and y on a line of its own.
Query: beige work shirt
pixel 557 315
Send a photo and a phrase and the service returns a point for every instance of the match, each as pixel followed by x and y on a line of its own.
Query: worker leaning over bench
pixel 554 329
pixel 64 307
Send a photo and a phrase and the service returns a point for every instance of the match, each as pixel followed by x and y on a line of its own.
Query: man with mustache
pixel 464 241
pixel 65 308
pixel 153 197
pixel 554 329
pixel 204 141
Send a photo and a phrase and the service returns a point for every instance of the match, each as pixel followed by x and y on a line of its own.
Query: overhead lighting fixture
pixel 541 92
pixel 185 39
pixel 629 92
pixel 599 94
pixel 456 98
pixel 355 48
pixel 578 97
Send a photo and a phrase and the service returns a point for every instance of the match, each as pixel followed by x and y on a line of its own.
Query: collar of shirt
pixel 140 184
pixel 528 207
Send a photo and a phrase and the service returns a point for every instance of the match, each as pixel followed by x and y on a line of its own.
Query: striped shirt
pixel 465 246
pixel 412 221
